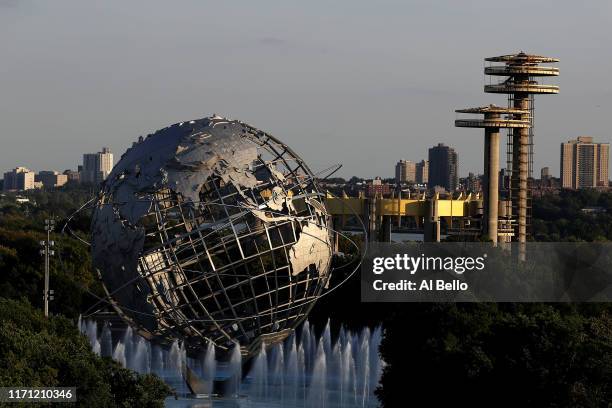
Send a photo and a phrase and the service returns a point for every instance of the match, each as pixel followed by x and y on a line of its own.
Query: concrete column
pixel 432 223
pixel 371 221
pixel 520 172
pixel 334 222
pixel 386 228
pixel 399 207
pixel 491 182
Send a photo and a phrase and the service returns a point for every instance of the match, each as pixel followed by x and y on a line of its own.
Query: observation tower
pixel 521 71
pixel 491 123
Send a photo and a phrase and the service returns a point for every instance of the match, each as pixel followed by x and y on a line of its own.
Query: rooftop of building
pixel 583 140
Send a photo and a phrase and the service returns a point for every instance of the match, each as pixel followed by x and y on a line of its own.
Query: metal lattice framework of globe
pixel 212 230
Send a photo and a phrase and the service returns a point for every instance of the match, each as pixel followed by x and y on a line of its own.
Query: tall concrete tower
pixel 520 85
pixel 491 123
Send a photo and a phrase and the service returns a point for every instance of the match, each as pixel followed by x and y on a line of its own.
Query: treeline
pixel 566 216
pixel 22 230
pixel 498 355
pixel 35 351
pixel 40 352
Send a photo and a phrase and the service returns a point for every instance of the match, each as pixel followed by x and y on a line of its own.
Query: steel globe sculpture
pixel 212 231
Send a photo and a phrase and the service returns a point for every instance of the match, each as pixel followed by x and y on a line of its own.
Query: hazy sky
pixel 358 82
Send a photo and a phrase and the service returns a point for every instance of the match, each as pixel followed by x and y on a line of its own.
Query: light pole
pixel 47 252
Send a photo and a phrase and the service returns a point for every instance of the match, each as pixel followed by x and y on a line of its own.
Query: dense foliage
pixel 35 351
pixel 564 217
pixel 498 355
pixel 22 229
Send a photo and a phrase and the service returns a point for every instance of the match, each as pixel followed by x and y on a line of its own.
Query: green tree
pixel 35 351
pixel 527 355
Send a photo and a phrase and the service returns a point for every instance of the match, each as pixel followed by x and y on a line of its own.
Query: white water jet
pixel 128 339
pixel 91 331
pixel 347 373
pixel 306 345
pixel 106 341
pixel 376 363
pixel 232 387
pixel 140 359
pixel 157 359
pixel 317 394
pixel 304 371
pixel 342 339
pixel 119 354
pixel 259 374
pixel 335 372
pixel 327 340
pixel 277 370
pixel 301 376
pixel 364 369
pixel 291 385
pixel 209 367
pixel 174 359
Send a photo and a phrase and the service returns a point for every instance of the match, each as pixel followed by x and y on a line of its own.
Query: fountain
pixel 303 371
pixel 234 373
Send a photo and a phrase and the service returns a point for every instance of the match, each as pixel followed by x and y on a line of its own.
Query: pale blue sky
pixel 363 83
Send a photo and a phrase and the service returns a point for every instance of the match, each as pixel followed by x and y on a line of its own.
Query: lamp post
pixel 47 252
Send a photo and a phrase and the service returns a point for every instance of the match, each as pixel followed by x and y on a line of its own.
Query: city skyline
pixel 419 170
pixel 355 76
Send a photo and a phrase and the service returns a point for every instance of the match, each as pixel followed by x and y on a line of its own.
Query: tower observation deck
pixel 520 84
pixel 491 123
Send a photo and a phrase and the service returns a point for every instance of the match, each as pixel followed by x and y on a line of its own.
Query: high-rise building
pixel 443 167
pixel 422 172
pixel 97 166
pixel 51 179
pixel 405 172
pixel 544 173
pixel 19 179
pixel 584 164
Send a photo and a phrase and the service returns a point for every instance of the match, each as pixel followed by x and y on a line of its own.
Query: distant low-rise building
pixel 72 176
pixel 472 183
pixel 19 179
pixel 593 210
pixel 377 187
pixel 51 179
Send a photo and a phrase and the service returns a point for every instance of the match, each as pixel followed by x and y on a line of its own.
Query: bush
pixel 517 355
pixel 39 352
